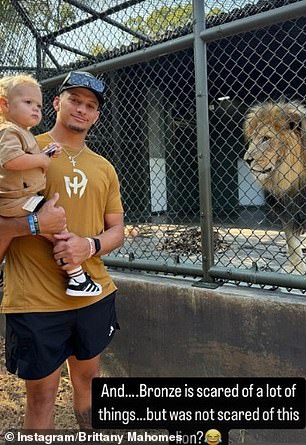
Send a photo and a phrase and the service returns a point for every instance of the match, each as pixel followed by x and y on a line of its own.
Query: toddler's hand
pixel 53 150
pixel 58 150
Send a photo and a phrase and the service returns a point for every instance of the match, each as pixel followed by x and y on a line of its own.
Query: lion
pixel 276 154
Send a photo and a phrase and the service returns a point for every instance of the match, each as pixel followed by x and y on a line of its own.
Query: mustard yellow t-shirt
pixel 88 191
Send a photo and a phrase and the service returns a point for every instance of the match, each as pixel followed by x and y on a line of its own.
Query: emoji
pixel 213 437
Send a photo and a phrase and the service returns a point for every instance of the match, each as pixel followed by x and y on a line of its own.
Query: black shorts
pixel 37 343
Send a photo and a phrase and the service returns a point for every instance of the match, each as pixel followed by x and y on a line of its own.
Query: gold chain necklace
pixel 72 159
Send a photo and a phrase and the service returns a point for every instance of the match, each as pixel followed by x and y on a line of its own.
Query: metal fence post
pixel 202 119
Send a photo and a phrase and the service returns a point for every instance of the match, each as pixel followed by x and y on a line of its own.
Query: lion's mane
pixel 276 153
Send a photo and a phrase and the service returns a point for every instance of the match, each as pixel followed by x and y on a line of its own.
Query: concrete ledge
pixel 169 328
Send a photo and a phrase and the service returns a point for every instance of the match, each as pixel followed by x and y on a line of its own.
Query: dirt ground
pixel 12 400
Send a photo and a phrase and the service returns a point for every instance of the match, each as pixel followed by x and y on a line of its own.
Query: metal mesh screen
pixel 251 68
pixel 150 121
pixel 17 43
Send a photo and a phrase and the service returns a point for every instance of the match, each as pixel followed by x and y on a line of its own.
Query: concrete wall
pixel 170 328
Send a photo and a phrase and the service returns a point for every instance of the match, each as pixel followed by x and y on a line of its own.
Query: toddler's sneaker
pixel 86 289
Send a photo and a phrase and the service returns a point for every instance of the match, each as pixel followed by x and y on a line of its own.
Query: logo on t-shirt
pixel 77 184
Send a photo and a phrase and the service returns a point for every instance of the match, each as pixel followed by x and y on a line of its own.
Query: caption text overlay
pixel 198 404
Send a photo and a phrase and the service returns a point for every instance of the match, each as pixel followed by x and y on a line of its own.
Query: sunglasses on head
pixel 83 80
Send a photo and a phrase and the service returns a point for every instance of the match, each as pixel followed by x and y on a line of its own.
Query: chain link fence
pixel 181 78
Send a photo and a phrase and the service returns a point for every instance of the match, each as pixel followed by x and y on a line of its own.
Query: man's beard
pixel 76 129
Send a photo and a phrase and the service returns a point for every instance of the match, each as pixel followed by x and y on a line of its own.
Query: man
pixel 44 325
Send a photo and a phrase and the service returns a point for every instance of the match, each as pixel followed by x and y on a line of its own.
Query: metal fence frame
pixel 209 274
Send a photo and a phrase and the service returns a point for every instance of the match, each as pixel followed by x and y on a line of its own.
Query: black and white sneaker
pixel 86 289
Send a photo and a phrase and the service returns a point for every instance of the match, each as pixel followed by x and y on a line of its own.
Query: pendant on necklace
pixel 73 161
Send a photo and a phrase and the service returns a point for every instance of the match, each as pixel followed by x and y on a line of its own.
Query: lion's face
pixel 274 153
pixel 263 154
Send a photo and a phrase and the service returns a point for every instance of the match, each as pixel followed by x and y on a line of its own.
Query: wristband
pixel 36 223
pixel 31 224
pixel 97 244
pixel 91 247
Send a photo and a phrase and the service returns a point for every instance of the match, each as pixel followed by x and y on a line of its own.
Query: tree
pixel 162 20
pixel 214 11
pixel 165 19
pixel 46 16
pixel 98 49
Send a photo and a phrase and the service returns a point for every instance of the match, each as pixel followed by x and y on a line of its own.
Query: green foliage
pixel 162 20
pixel 214 11
pixel 165 19
pixel 49 16
pixel 45 15
pixel 97 49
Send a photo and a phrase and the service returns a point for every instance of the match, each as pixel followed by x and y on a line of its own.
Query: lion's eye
pixel 266 138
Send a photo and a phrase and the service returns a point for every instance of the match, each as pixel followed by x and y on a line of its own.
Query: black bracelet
pixel 97 245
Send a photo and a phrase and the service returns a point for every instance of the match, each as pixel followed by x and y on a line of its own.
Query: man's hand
pixel 52 219
pixel 72 249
